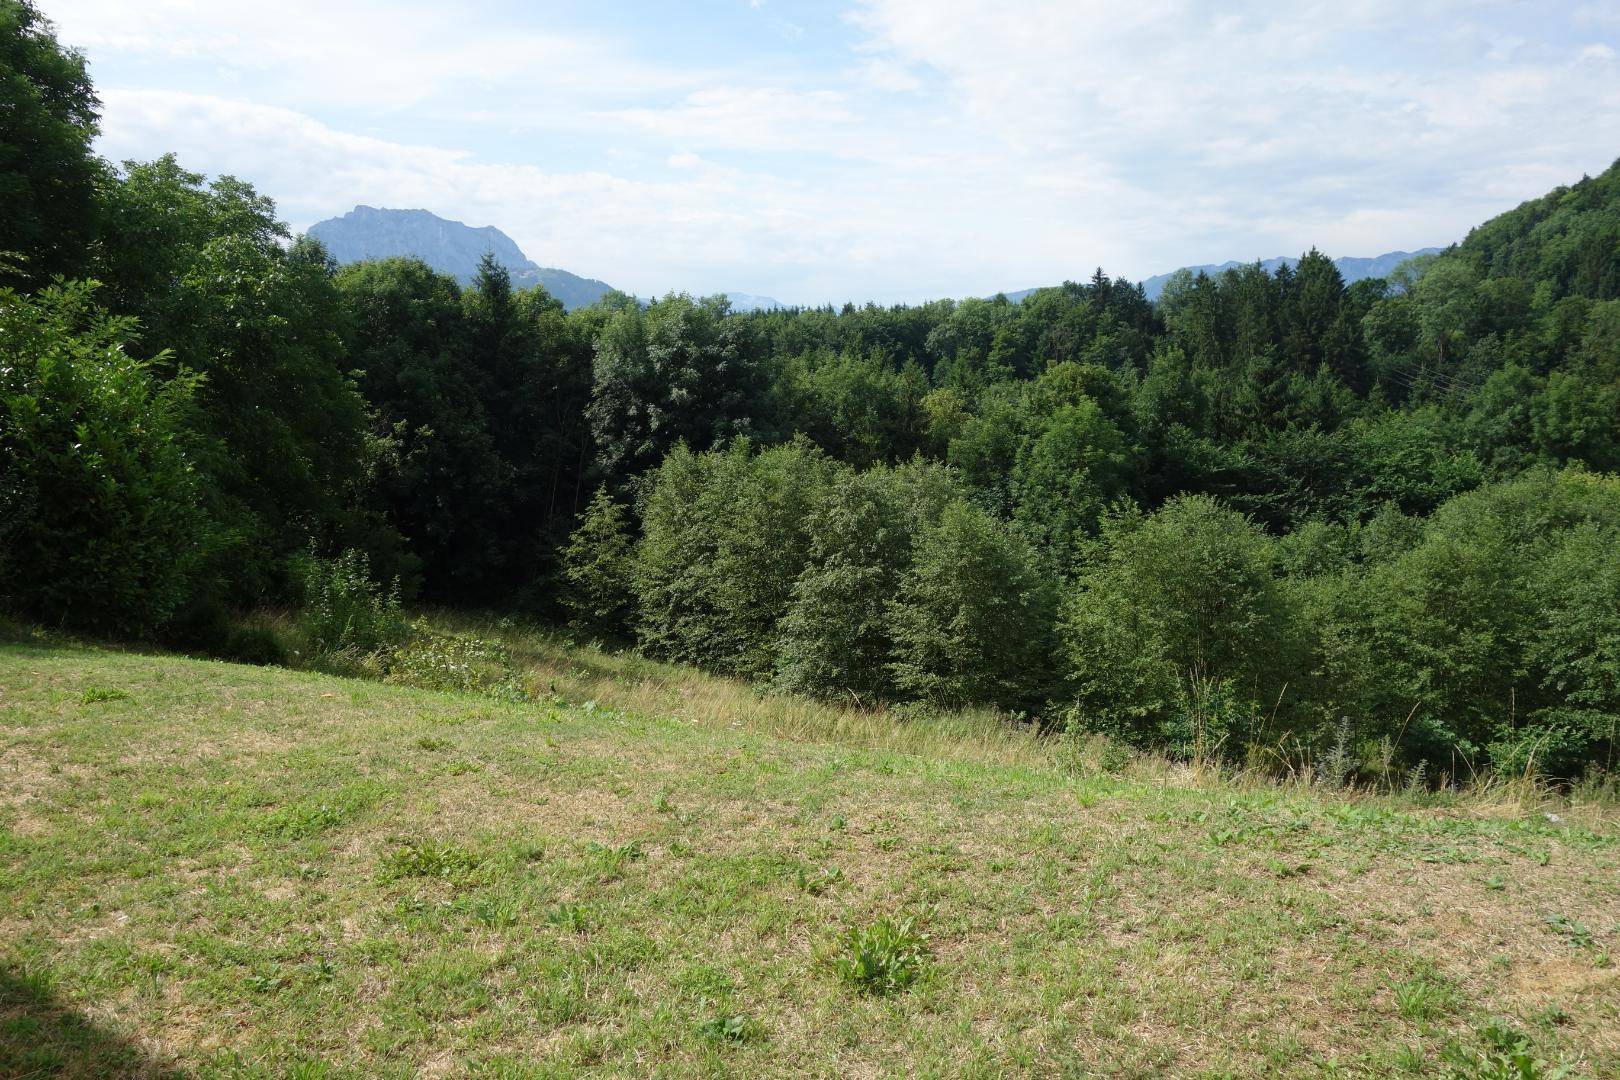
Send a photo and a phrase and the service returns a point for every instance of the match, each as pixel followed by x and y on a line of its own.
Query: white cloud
pixel 391 55
pixel 943 147
pixel 1334 123
pixel 700 232
pixel 759 118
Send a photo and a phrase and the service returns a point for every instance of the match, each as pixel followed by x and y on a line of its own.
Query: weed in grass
pixel 1423 999
pixel 570 917
pixel 455 663
pixel 94 694
pixel 1287 869
pixel 428 858
pixel 733 1029
pixel 707 982
pixel 1575 932
pixel 818 881
pixel 496 913
pixel 1410 1059
pixel 1551 1016
pixel 1334 769
pixel 1113 756
pixel 297 822
pixel 429 743
pixel 1503 1053
pixel 263 984
pixel 882 958
pixel 1417 781
pixel 563 1000
pixel 613 861
pixel 462 768
pixel 319 971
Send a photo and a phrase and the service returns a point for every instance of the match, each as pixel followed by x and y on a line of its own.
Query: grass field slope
pixel 209 869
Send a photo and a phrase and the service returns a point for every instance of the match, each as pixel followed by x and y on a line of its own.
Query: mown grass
pixel 227 870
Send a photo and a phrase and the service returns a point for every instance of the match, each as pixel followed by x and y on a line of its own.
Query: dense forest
pixel 1268 516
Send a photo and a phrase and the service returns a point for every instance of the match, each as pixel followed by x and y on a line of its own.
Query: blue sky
pixel 875 149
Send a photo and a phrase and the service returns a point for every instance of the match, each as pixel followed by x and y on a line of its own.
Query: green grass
pixel 229 870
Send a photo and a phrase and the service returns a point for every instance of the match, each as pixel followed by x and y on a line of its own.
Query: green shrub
pixel 454 663
pixel 1066 477
pixel 883 958
pixel 345 612
pixel 834 640
pixel 1497 632
pixel 972 623
pixel 724 538
pixel 1177 634
pixel 255 642
pixel 101 527
pixel 596 566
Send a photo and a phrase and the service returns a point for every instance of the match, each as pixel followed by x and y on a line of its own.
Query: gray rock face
pixel 367 232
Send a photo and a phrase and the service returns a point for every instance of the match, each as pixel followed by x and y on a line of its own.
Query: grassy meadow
pixel 214 869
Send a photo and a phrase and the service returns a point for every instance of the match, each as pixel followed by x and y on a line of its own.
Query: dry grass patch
pixel 298 869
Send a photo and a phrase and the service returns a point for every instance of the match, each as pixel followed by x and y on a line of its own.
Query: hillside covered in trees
pixel 1269 515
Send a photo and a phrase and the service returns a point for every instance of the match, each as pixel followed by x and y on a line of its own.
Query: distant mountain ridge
pixel 741 301
pixel 369 232
pixel 1352 268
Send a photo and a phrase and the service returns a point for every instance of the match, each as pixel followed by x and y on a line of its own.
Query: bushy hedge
pixel 596 568
pixel 346 612
pixel 724 537
pixel 100 523
pixel 1494 635
pixel 836 637
pixel 1178 633
pixel 973 621
pixel 1484 636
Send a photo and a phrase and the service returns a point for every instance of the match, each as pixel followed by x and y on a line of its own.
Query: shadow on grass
pixel 41 1037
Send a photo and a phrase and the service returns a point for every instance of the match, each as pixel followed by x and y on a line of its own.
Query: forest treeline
pixel 1268 515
